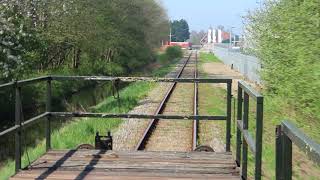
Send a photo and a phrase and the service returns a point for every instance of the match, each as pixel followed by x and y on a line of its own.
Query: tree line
pixel 101 37
pixel 83 37
pixel 179 30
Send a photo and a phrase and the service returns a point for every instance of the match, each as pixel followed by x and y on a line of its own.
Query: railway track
pixel 163 135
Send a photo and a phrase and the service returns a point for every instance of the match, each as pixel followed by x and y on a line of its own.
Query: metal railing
pixel 244 137
pixel 286 134
pixel 19 124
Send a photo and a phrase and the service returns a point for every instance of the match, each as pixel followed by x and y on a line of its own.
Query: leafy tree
pixel 47 36
pixel 80 37
pixel 196 37
pixel 180 30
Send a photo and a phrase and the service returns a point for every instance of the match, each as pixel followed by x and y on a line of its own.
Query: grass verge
pixel 82 130
pixel 208 57
pixel 275 110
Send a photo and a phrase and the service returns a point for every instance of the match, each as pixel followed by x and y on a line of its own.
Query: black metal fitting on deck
pixel 103 142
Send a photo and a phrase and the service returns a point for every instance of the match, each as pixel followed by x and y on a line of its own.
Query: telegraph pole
pixel 170 35
pixel 230 42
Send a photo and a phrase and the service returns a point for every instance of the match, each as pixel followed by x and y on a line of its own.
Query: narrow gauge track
pixel 153 136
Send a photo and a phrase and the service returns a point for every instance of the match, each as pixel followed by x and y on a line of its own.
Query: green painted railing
pixel 286 134
pixel 244 137
pixel 19 124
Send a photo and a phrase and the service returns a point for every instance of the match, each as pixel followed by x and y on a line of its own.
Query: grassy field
pixel 275 110
pixel 82 130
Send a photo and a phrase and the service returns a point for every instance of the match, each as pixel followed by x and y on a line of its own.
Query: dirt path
pixel 212 133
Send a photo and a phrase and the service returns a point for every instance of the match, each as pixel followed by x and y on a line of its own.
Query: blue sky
pixel 201 14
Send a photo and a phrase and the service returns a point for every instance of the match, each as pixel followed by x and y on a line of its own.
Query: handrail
pixel 24 124
pixel 213 79
pixel 252 92
pixel 144 79
pixel 24 82
pixel 286 134
pixel 244 137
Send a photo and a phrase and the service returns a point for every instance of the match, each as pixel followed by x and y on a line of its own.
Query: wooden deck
pixel 94 164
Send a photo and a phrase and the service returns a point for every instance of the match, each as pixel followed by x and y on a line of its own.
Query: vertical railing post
pixel 279 151
pixel 48 120
pixel 287 157
pixel 283 155
pixel 239 117
pixel 228 131
pixel 259 130
pixel 18 131
pixel 245 121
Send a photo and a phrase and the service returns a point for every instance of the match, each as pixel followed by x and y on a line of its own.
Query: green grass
pixel 208 57
pixel 80 131
pixel 275 110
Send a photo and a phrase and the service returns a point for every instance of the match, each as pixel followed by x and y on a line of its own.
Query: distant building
pixel 183 45
pixel 215 36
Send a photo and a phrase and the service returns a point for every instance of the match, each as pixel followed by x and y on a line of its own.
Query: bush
pixel 163 58
pixel 173 52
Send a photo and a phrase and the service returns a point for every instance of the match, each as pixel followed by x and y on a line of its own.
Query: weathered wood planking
pixel 94 164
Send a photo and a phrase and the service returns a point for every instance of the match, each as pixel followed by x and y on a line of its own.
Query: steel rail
pixel 148 131
pixel 195 107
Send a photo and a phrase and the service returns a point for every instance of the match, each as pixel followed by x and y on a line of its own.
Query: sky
pixel 201 14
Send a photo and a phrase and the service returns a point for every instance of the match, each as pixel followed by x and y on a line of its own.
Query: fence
pixel 19 124
pixel 249 66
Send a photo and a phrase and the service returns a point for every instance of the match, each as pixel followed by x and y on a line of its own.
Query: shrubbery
pixel 170 54
pixel 286 37
pixel 174 52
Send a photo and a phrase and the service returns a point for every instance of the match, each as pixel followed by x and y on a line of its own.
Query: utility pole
pixel 260 2
pixel 170 35
pixel 230 42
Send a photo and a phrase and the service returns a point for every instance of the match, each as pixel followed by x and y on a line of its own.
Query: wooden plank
pixel 95 164
pixel 119 156
pixel 99 174
pixel 121 159
pixel 83 165
pixel 145 153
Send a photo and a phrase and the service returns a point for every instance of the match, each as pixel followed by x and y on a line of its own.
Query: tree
pixel 180 30
pixel 83 37
pixel 196 37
